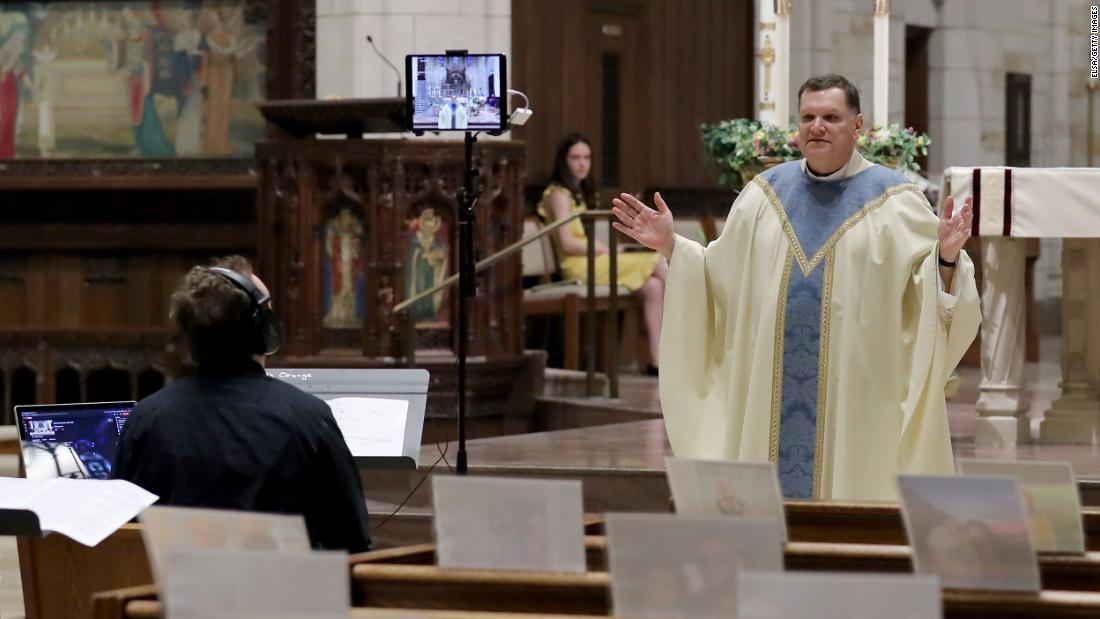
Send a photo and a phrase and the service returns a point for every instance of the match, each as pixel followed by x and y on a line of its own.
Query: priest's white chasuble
pixel 813 333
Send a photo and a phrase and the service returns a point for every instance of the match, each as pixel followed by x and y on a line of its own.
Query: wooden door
pixel 617 96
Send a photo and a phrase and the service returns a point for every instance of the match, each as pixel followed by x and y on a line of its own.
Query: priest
pixel 819 329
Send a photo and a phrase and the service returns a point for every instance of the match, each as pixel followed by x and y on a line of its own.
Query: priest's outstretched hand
pixel 953 232
pixel 954 228
pixel 650 227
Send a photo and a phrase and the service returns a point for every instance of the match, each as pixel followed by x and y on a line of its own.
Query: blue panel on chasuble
pixel 815 210
pixel 801 352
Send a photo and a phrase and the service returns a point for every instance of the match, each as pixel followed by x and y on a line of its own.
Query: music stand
pixel 410 385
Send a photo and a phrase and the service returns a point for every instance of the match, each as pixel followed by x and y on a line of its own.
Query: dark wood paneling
pixel 683 64
pixel 90 248
pixel 916 81
pixel 120 236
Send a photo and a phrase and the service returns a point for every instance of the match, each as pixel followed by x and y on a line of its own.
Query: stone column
pixel 767 77
pixel 1075 417
pixel 1004 400
pixel 881 111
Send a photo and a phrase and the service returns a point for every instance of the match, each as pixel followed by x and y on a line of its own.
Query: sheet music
pixel 16 492
pixel 85 510
pixel 371 426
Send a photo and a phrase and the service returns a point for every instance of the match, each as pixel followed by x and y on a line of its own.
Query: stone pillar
pixel 1004 400
pixel 1075 417
pixel 767 50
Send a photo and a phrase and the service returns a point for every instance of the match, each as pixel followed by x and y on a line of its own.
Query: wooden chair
pixel 567 299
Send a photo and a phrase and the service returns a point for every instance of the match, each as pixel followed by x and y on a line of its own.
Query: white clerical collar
pixel 854 165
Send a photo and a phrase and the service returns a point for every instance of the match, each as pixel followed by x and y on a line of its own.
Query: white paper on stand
pixel 371 426
pixel 168 529
pixel 509 523
pixel 748 489
pixel 782 595
pixel 212 584
pixel 665 565
pixel 85 510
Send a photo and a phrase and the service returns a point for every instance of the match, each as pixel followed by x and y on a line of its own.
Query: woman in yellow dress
pixel 573 189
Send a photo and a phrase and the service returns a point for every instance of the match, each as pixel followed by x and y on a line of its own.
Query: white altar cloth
pixel 1028 202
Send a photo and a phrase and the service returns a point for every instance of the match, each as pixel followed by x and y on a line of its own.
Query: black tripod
pixel 467 197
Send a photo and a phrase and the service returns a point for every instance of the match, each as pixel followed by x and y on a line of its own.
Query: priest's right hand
pixel 650 227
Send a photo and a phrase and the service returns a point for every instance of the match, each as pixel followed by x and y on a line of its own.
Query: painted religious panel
pixel 152 78
pixel 344 287
pixel 427 264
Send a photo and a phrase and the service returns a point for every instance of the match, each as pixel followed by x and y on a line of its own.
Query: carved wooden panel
pixel 396 202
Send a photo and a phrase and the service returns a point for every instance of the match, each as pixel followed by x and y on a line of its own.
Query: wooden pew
pixel 458 594
pixel 60 575
pixel 1058 572
pixel 867 523
pixel 142 603
pixel 9 441
pixel 876 523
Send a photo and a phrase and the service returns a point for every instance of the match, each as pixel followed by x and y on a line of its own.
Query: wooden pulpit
pixel 349 226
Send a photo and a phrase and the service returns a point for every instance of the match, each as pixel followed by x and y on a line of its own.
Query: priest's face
pixel 827 129
pixel 579 159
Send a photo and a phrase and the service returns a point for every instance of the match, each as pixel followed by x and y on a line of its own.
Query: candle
pixel 882 63
pixel 783 62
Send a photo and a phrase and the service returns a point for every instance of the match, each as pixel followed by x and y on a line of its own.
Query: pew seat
pixel 1058 572
pixel 462 594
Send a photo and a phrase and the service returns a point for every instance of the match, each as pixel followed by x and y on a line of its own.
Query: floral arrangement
pixel 729 143
pixel 771 141
pixel 743 147
pixel 893 146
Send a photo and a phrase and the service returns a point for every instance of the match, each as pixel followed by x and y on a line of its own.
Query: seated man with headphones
pixel 230 437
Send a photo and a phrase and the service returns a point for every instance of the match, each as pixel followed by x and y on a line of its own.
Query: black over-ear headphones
pixel 267 333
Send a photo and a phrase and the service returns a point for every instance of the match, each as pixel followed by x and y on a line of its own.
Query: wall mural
pixel 426 266
pixel 153 78
pixel 344 284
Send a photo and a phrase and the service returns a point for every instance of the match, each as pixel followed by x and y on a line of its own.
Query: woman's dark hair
pixel 585 190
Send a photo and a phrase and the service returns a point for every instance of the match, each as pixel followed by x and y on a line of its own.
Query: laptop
pixel 71 440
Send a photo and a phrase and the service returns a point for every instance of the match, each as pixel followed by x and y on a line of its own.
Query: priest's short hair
pixel 818 83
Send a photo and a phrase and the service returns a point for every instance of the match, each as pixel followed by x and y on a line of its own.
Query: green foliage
pixel 893 146
pixel 739 145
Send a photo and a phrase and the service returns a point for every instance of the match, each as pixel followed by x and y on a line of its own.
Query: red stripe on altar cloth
pixel 976 203
pixel 1008 203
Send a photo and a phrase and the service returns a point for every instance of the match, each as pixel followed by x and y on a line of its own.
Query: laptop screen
pixel 71 440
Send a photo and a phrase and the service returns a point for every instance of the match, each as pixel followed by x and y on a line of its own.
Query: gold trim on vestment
pixel 777 363
pixel 808 266
pixel 823 367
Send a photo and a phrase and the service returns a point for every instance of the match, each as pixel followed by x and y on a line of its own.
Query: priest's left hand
pixel 954 228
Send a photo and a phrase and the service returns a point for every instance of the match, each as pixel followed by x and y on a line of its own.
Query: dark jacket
pixel 234 438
